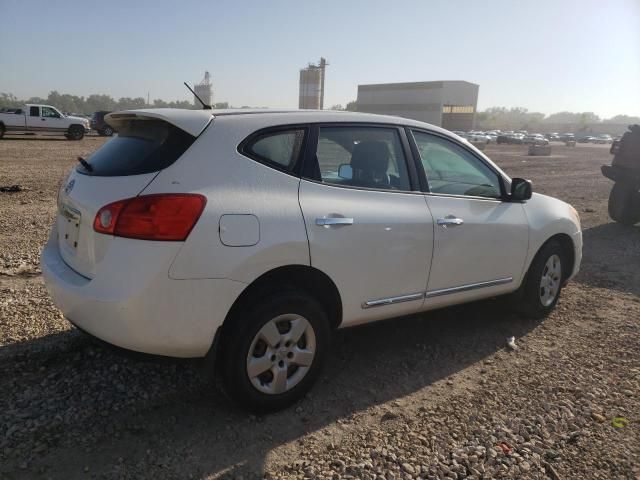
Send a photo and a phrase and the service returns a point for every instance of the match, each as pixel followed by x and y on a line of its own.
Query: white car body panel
pixel 548 216
pixel 191 121
pixel 490 246
pixel 138 310
pixel 385 253
pixel 235 185
pixel 86 196
pixel 170 298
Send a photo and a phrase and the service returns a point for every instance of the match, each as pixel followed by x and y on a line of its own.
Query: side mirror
pixel 521 189
pixel 345 171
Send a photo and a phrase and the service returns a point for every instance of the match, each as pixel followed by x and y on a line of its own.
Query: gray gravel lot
pixel 431 396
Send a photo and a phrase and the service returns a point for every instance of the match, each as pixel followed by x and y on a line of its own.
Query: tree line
pixel 495 117
pixel 74 104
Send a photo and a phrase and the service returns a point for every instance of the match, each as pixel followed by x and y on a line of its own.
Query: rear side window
pixel 280 149
pixel 368 157
pixel 141 146
pixel 34 111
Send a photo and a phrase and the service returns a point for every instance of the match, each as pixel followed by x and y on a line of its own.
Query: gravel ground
pixel 431 396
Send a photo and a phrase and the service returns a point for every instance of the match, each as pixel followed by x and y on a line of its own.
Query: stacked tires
pixel 624 204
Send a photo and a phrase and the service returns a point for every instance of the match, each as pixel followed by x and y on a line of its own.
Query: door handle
pixel 450 221
pixel 43 119
pixel 326 221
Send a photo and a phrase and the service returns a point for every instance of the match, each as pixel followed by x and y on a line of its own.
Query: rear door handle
pixel 326 221
pixel 449 221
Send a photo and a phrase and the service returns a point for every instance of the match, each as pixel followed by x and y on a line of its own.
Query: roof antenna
pixel 204 105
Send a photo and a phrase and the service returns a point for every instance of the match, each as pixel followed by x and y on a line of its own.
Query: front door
pixel 52 120
pixel 368 229
pixel 481 241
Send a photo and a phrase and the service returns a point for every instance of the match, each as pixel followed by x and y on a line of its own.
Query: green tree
pixel 623 120
pixel 352 106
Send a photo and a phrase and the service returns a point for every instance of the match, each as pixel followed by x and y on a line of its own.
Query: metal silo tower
pixel 312 86
pixel 204 90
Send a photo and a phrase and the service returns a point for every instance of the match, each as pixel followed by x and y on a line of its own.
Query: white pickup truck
pixel 42 118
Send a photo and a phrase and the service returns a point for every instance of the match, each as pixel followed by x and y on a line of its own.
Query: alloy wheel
pixel 281 354
pixel 550 281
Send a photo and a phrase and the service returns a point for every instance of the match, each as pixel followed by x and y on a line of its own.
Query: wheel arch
pixel 568 249
pixel 301 277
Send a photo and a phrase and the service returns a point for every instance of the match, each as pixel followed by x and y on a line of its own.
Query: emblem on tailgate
pixel 69 186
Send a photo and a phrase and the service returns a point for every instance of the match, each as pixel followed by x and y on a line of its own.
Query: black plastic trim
pixel 296 169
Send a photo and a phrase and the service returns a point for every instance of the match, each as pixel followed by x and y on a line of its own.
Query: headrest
pixel 372 156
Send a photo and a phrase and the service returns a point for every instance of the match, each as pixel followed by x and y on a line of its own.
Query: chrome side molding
pixel 435 293
pixel 470 286
pixel 392 300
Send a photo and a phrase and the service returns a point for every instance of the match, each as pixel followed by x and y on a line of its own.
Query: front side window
pixel 368 157
pixel 49 112
pixel 281 148
pixel 450 169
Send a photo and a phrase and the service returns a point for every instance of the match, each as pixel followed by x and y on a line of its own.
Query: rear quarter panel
pixel 235 185
pixel 13 121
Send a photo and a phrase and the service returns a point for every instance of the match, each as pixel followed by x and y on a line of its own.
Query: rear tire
pixel 75 132
pixel 107 131
pixel 1 131
pixel 264 367
pixel 624 204
pixel 544 281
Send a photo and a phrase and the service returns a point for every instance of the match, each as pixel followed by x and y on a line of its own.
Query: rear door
pixel 369 229
pixel 120 169
pixel 33 118
pixel 480 240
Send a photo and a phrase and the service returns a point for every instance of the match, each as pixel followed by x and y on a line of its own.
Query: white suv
pixel 249 236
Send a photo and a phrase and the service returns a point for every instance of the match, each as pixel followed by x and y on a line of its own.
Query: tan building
pixel 450 104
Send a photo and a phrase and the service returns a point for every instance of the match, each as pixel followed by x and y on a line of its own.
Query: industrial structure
pixel 312 86
pixel 204 90
pixel 449 104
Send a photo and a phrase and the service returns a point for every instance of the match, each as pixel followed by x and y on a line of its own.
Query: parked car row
pixel 524 137
pixel 599 139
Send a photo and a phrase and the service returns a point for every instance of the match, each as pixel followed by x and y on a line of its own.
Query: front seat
pixel 370 162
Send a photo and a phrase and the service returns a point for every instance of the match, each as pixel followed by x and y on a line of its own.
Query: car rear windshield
pixel 141 146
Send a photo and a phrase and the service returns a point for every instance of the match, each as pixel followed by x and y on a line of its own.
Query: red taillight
pixel 169 216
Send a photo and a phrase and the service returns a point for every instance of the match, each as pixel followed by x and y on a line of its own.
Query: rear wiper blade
pixel 85 164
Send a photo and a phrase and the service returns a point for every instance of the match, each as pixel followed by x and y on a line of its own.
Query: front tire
pixel 1 131
pixel 544 281
pixel 624 204
pixel 75 132
pixel 273 351
pixel 107 131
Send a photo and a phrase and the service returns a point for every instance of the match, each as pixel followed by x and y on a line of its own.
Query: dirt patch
pixel 431 396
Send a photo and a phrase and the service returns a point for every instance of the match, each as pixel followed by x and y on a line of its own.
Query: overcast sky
pixel 545 55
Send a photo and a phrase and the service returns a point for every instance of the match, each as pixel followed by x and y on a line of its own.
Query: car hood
pixel 77 119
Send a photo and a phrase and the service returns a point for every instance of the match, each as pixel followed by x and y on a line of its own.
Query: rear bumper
pixel 136 306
